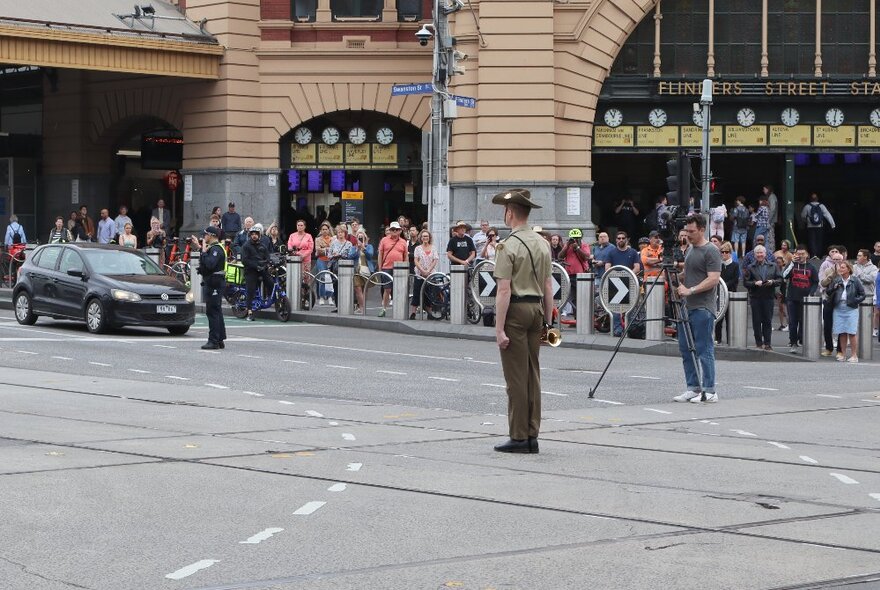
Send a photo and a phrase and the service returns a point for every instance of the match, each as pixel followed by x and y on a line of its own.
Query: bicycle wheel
pixel 239 305
pixel 15 262
pixel 474 312
pixel 181 271
pixel 5 260
pixel 282 309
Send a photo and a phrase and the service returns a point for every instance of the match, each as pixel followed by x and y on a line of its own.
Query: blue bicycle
pixel 237 294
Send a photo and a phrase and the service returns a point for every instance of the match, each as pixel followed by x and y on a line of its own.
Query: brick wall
pixel 275 9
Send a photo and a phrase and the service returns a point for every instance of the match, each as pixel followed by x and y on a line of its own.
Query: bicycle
pixel 11 260
pixel 237 294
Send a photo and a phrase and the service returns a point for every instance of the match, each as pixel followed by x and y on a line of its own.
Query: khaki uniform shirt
pixel 512 262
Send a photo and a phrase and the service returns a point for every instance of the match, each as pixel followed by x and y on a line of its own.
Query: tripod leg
pixel 681 317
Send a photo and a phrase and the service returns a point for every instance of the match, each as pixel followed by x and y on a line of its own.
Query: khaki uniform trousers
pixel 522 372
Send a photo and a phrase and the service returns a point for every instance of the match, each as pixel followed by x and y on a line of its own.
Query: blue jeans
pixel 702 324
pixel 322 287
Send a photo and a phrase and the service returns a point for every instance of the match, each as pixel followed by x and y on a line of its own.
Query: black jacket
pixel 766 272
pixel 254 257
pixel 855 292
pixel 730 275
pixel 803 278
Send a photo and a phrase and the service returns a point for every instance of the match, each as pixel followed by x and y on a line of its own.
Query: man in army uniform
pixel 212 267
pixel 523 303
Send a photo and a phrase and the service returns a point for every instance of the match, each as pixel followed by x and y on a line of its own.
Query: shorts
pixel 389 286
pixel 738 236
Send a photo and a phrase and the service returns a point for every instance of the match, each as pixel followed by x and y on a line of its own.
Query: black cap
pixel 212 230
pixel 232 204
pixel 653 233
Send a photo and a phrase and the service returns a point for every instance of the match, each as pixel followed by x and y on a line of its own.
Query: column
pixel 654 314
pixel 457 285
pixel 400 290
pixel 195 280
pixel 812 327
pixel 585 302
pixel 765 61
pixel 818 61
pixel 658 16
pixel 710 55
pixel 294 282
pixel 789 218
pixel 345 288
pixel 738 319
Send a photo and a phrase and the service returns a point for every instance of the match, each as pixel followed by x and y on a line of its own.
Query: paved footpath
pixel 127 484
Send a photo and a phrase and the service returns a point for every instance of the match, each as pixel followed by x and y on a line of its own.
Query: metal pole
pixel 585 302
pixel 812 327
pixel 654 316
pixel 294 282
pixel 457 285
pixel 438 204
pixel 738 319
pixel 706 168
pixel 195 280
pixel 866 339
pixel 345 288
pixel 400 290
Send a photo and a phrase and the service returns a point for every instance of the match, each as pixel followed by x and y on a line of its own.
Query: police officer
pixel 523 304
pixel 212 267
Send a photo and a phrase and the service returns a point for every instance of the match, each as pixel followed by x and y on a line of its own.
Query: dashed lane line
pixel 843 478
pixel 340 367
pixel 554 393
pixel 493 385
pixel 62 358
pixel 743 432
pixel 314 414
pixel 759 388
pixel 295 362
pixel 143 372
pixel 875 496
pixel 253 393
pixel 163 346
pixel 607 401
pixel 778 445
pixel 190 569
pixel 261 536
pixel 97 364
pixel 389 372
pixel 829 395
pixel 286 403
pixel 806 459
pixel 655 410
pixel 644 377
pixel 337 487
pixel 442 379
pixel 308 508
pixel 177 378
pixel 354 466
pixel 216 386
pixel 249 356
pixel 27 352
pixel 348 436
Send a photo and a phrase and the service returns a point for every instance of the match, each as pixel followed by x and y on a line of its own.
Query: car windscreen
pixel 120 262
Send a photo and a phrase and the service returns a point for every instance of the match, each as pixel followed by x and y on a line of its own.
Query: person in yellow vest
pixel 523 306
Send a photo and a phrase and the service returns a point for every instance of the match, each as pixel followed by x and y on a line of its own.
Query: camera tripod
pixel 679 316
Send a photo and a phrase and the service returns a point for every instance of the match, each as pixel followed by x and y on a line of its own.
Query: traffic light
pixel 678 181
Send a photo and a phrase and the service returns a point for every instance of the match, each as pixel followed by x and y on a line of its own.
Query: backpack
pixel 16 235
pixel 717 215
pixel 651 221
pixel 741 217
pixel 815 215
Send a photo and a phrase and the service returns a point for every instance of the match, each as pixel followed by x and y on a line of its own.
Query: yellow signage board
pixel 357 155
pixel 692 136
pixel 660 137
pixel 352 196
pixel 330 154
pixel 826 136
pixel 384 155
pixel 738 136
pixel 303 154
pixel 799 135
pixel 869 136
pixel 613 136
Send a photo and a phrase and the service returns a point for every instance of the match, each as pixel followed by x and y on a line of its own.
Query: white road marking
pixel 285 402
pixel 308 508
pixel 759 388
pixel 607 401
pixel 339 367
pixel 644 377
pixel 875 496
pixel 829 395
pixel 487 424
pixel 493 385
pixel 876 401
pixel 776 444
pixel 163 346
pixel 743 432
pixel 333 423
pixel 314 414
pixel 843 478
pixel 62 358
pixel 261 536
pixel 337 487
pixel 138 371
pixel 176 377
pixel 483 362
pixel 97 364
pixel 27 352
pixel 442 379
pixel 348 436
pixel 191 569
pixel 296 362
pixel 216 386
pixel 658 411
pixel 390 372
pixel 249 356
pixel 556 394
pixel 809 460
pixel 354 466
pixel 253 393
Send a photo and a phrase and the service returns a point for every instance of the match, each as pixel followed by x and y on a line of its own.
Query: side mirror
pixel 75 272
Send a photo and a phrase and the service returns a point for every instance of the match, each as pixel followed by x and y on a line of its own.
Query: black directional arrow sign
pixel 487 285
pixel 619 290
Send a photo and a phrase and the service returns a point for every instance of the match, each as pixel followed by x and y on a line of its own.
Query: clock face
pixel 790 117
pixel 613 117
pixel 357 135
pixel 745 117
pixel 657 117
pixel 698 118
pixel 330 135
pixel 384 135
pixel 302 135
pixel 875 117
pixel 834 117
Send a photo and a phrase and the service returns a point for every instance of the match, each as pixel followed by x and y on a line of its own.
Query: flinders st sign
pixel 772 88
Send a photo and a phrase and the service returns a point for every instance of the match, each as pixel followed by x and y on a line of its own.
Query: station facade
pixel 581 102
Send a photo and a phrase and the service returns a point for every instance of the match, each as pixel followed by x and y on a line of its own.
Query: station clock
pixel 613 117
pixel 657 117
pixel 330 136
pixel 302 135
pixel 834 116
pixel 745 117
pixel 384 135
pixel 357 135
pixel 698 118
pixel 875 117
pixel 790 117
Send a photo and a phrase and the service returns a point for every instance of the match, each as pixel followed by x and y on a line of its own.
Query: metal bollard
pixel 585 302
pixel 294 282
pixel 400 290
pixel 153 253
pixel 345 288
pixel 457 285
pixel 738 319
pixel 654 287
pixel 866 324
pixel 812 327
pixel 195 279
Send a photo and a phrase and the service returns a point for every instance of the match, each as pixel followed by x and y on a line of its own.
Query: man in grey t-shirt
pixel 702 271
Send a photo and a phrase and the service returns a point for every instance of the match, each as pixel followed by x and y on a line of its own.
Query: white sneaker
pixel 875 332
pixel 687 396
pixel 322 301
pixel 711 398
pixel 852 359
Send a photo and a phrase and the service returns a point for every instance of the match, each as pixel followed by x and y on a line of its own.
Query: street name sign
pixel 418 88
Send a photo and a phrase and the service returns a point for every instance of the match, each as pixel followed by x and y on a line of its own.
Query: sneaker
pixel 793 349
pixel 711 398
pixel 382 313
pixel 840 357
pixel 876 332
pixel 251 318
pixel 687 396
pixel 768 347
pixel 783 328
pixel 852 359
pixel 825 353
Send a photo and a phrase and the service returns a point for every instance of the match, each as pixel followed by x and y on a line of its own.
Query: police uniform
pixel 524 259
pixel 212 267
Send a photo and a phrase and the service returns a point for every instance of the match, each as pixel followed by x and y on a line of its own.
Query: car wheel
pixel 178 330
pixel 282 309
pixel 96 316
pixel 24 311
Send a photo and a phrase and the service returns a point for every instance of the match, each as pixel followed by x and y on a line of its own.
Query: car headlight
pixel 120 295
pixel 190 297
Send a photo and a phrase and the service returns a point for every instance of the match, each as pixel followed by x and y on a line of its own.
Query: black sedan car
pixel 105 286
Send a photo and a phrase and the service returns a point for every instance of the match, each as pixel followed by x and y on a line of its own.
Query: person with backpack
pixel 15 233
pixel 814 215
pixel 717 215
pixel 740 217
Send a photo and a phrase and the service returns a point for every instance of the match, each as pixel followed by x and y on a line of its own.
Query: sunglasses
pixel 491 236
pixel 725 251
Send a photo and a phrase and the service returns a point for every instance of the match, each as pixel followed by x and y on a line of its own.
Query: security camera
pixel 460 55
pixel 424 35
pixel 454 6
pixel 706 96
